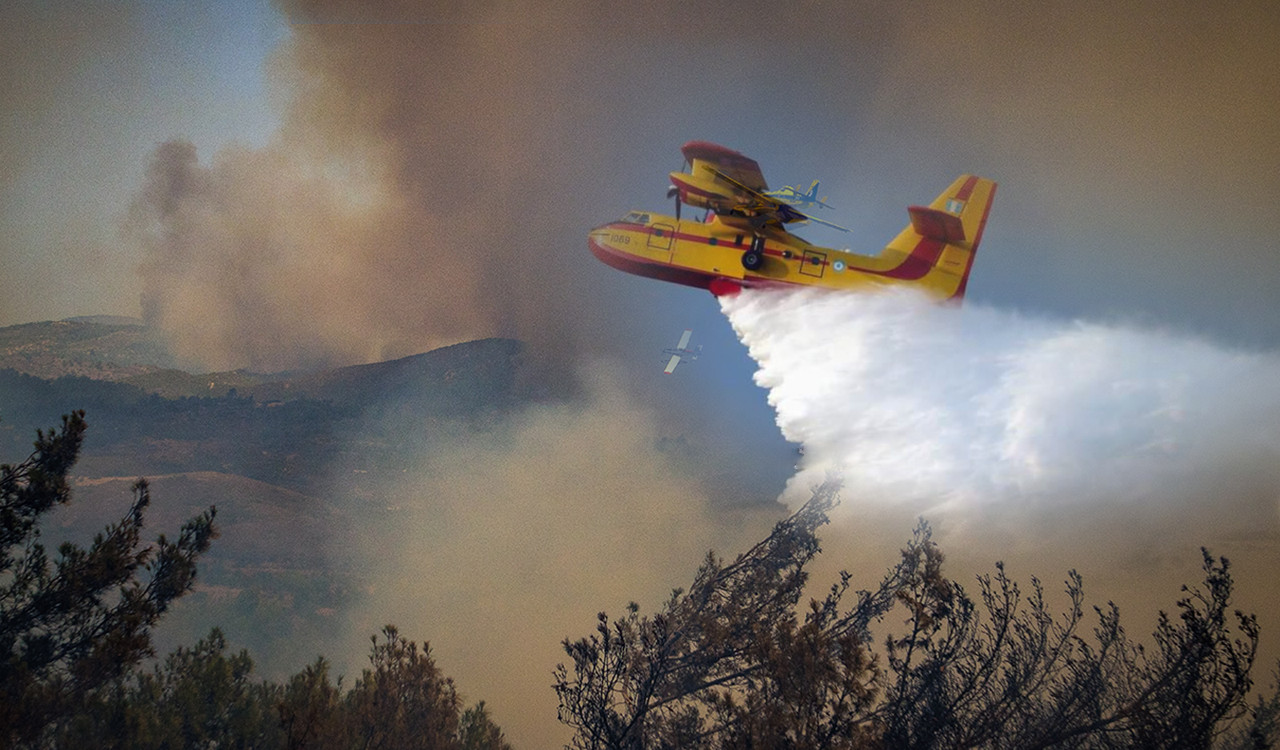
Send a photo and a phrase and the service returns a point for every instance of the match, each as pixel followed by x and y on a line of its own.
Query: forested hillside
pixel 294 461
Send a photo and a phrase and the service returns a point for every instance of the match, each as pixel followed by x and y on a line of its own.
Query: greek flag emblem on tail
pixel 954 206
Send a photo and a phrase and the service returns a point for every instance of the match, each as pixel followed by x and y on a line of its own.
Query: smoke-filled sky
pixel 430 173
pixel 309 183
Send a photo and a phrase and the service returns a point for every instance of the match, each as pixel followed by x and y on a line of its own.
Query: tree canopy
pixel 71 624
pixel 734 662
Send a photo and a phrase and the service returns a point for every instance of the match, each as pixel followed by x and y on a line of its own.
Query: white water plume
pixel 925 405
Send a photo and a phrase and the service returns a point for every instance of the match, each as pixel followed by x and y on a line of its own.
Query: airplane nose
pixel 598 241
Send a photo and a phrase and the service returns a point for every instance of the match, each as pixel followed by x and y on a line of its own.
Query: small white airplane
pixel 680 351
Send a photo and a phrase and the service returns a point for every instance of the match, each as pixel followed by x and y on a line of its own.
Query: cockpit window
pixel 636 217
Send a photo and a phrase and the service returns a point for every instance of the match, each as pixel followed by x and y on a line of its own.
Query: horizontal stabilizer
pixel 936 225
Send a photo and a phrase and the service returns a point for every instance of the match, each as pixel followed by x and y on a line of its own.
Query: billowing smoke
pixel 419 192
pixel 256 261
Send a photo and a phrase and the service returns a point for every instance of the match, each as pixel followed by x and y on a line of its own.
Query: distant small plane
pixel 794 196
pixel 681 350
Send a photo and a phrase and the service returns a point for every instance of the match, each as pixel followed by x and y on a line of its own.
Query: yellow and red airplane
pixel 744 241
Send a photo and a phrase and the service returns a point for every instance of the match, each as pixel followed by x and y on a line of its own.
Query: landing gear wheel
pixel 752 260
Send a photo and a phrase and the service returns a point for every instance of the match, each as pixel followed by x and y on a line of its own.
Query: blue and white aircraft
pixel 793 195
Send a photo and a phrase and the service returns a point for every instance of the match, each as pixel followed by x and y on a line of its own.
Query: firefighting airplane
pixel 681 350
pixel 744 241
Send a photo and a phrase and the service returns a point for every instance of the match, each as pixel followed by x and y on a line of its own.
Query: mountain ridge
pixel 125 350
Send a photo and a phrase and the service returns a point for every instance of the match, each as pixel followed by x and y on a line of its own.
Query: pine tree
pixel 72 624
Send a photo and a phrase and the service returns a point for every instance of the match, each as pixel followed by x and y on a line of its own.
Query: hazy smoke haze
pixel 505 545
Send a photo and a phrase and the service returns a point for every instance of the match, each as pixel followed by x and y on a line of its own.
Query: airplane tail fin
pixel 943 237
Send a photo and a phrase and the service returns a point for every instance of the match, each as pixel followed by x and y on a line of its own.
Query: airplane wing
pixel 671 366
pixel 740 169
pixel 684 339
pixel 742 173
pixel 770 205
pixel 833 225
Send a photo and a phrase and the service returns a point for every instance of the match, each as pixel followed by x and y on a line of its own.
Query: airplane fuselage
pixel 714 256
